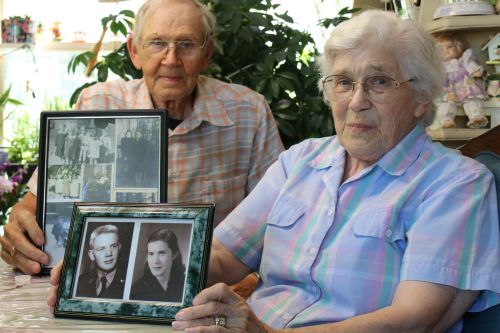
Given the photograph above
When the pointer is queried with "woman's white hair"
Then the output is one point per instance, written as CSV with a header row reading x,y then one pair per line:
x,y
207,17
414,48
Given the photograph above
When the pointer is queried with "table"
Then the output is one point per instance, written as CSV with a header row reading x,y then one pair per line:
x,y
24,309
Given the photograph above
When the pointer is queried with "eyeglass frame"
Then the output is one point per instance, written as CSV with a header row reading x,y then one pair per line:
x,y
168,44
364,84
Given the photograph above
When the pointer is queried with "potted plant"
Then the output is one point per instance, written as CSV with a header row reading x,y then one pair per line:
x,y
23,149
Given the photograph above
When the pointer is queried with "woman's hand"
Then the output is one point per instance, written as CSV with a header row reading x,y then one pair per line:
x,y
218,309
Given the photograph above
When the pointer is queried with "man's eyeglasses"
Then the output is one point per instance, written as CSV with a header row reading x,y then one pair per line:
x,y
377,87
184,48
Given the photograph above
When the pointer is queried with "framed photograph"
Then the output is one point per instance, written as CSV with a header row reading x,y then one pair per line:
x,y
97,156
140,262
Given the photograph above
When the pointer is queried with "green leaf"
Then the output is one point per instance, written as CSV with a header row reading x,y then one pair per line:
x,y
102,73
256,19
259,87
128,13
285,83
76,93
285,17
285,127
274,88
281,105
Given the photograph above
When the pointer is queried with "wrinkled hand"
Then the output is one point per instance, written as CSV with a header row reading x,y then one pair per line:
x,y
219,301
55,277
19,234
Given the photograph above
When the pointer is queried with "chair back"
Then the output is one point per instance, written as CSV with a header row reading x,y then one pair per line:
x,y
485,149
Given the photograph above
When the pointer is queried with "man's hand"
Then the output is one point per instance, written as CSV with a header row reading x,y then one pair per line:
x,y
20,233
55,277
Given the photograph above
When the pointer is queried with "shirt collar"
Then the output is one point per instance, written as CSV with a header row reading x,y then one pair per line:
x,y
109,276
207,107
394,162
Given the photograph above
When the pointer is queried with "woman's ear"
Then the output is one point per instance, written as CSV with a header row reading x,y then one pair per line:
x,y
423,104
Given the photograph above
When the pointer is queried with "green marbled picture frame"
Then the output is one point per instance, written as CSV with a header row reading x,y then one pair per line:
x,y
136,224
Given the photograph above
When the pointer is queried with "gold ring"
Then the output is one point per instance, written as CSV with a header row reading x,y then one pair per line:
x,y
220,321
12,251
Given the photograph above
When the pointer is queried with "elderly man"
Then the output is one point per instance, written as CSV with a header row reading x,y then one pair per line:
x,y
104,279
223,136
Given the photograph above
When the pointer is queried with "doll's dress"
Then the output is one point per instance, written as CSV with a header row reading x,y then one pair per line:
x,y
460,86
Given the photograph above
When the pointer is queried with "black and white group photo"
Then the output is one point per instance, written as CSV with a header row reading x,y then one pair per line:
x,y
95,159
137,149
82,141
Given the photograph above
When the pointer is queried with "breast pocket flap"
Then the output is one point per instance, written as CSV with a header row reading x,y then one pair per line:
x,y
286,211
379,223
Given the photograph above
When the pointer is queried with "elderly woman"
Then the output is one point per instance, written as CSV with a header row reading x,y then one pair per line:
x,y
377,229
163,276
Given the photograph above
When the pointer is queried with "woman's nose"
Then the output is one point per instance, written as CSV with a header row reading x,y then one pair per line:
x,y
360,99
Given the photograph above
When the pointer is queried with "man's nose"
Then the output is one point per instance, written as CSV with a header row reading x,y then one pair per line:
x,y
170,56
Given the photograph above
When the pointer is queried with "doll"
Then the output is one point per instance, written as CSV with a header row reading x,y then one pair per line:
x,y
460,87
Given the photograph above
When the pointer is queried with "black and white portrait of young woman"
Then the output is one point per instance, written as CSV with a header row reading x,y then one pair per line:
x,y
160,265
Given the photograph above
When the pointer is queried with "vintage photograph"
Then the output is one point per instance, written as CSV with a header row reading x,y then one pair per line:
x,y
103,261
136,145
134,261
64,183
160,265
58,218
92,156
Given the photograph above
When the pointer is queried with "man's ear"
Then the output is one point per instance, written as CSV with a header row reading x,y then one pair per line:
x,y
91,255
208,54
133,52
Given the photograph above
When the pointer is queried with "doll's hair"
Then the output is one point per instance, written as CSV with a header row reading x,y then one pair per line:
x,y
413,47
449,37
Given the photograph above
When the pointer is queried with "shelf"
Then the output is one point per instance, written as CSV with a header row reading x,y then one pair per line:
x,y
62,46
455,134
474,22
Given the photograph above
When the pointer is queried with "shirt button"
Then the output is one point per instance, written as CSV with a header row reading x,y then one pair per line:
x,y
388,233
330,212
286,316
313,251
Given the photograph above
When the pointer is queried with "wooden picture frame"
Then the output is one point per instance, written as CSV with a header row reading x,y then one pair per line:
x,y
133,235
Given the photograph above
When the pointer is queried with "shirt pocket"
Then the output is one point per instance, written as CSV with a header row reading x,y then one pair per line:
x,y
286,212
378,223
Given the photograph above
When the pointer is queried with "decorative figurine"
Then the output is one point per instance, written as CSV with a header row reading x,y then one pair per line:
x,y
461,86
